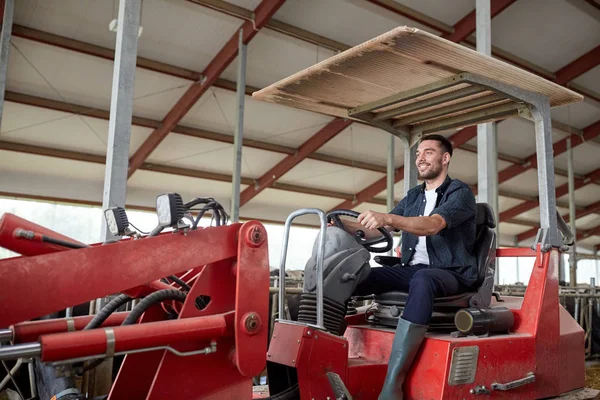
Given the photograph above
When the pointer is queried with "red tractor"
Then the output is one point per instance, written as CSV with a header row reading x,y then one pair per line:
x,y
201,327
209,341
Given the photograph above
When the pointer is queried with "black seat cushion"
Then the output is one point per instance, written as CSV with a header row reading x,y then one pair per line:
x,y
400,298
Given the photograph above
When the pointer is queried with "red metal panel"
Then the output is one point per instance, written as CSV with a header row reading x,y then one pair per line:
x,y
201,376
458,139
251,310
578,67
313,353
545,340
328,353
539,316
264,11
139,368
466,26
99,271
287,342
231,285
65,346
515,252
10,222
317,140
365,379
572,357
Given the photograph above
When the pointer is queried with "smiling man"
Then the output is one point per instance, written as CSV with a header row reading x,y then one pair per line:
x,y
437,220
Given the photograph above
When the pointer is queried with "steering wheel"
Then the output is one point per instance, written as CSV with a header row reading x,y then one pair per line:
x,y
369,244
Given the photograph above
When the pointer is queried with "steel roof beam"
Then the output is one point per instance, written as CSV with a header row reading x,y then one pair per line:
x,y
324,135
185,130
559,147
560,191
167,69
578,67
592,208
264,11
168,169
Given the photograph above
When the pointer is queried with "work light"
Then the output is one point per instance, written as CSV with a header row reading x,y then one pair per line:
x,y
116,221
169,208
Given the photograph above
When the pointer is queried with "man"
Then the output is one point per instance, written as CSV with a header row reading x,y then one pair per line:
x,y
437,220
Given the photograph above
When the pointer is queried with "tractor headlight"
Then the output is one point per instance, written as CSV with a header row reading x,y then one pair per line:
x,y
116,220
169,208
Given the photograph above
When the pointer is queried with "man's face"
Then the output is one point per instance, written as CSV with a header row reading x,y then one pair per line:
x,y
431,159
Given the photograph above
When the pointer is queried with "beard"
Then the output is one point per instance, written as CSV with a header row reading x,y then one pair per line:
x,y
432,172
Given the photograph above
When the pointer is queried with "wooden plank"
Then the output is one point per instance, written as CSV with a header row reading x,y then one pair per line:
x,y
379,68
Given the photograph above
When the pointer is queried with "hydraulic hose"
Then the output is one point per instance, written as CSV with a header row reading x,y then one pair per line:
x,y
150,300
138,310
107,310
180,282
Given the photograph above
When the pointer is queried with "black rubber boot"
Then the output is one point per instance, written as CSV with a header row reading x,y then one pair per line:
x,y
407,340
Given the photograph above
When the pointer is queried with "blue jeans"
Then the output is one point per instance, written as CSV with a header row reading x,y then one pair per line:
x,y
423,285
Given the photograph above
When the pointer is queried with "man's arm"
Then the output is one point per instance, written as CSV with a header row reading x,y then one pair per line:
x,y
420,226
353,226
459,207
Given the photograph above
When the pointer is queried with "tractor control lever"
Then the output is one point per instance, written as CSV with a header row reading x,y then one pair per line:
x,y
339,389
530,378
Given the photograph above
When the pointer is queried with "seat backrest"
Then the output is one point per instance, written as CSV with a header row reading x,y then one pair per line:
x,y
485,253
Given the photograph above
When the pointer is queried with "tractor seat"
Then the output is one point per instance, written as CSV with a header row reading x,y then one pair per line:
x,y
480,296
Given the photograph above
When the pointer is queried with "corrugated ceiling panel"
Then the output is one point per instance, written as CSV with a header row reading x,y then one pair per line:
x,y
55,129
277,205
588,222
546,37
579,115
505,203
590,80
349,22
329,176
585,158
65,75
512,229
534,214
283,125
449,13
155,183
516,137
207,155
195,33
273,56
526,183
365,143
12,162
589,243
585,196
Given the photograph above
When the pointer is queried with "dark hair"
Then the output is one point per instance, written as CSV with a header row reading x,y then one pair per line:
x,y
444,143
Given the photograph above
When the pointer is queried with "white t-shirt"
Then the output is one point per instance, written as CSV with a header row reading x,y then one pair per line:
x,y
420,256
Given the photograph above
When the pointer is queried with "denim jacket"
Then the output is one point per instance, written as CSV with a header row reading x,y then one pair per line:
x,y
453,247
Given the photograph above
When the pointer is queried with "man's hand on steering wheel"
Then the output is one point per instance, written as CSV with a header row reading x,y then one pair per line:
x,y
373,220
368,238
